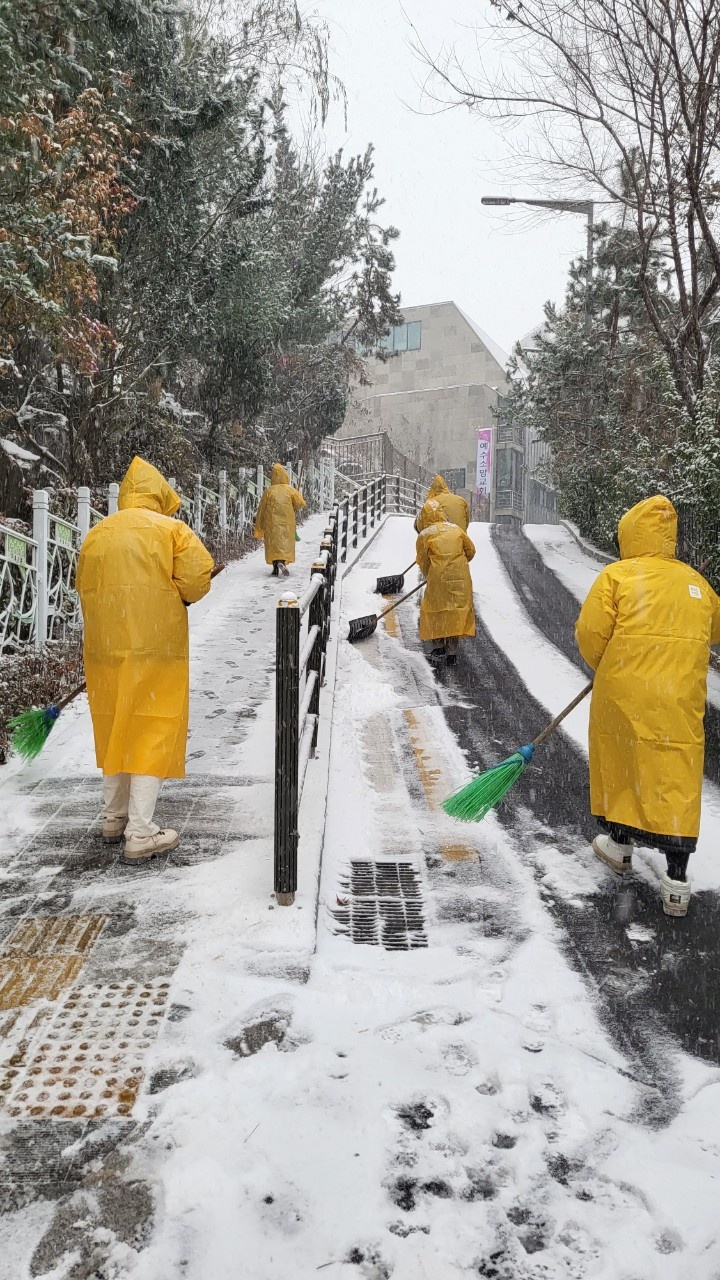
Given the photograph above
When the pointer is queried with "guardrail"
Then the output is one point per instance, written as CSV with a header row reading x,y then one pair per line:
x,y
38,601
302,635
299,675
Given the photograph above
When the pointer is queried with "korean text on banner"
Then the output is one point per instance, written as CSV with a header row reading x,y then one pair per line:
x,y
484,462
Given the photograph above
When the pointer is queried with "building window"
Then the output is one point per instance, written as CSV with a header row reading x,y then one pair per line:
x,y
404,337
454,479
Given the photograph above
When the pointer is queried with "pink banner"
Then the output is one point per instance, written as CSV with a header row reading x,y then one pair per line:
x,y
483,470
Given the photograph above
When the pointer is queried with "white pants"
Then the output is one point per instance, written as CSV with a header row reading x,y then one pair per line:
x,y
132,796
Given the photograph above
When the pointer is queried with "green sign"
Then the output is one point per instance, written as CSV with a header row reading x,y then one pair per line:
x,y
15,549
63,533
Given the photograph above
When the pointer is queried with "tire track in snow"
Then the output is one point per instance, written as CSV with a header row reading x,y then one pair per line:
x,y
651,977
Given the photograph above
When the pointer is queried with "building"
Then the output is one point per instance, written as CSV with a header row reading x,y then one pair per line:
x,y
540,504
439,389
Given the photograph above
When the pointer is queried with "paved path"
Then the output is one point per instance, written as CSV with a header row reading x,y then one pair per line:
x,y
489,1066
91,950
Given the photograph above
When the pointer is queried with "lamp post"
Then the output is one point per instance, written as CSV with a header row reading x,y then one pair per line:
x,y
586,207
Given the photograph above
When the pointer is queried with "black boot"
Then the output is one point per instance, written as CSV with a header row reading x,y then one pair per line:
x,y
275,569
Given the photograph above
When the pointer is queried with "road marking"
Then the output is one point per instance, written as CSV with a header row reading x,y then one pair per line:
x,y
434,782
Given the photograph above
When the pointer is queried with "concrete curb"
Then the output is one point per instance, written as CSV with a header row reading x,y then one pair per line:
x,y
586,546
311,845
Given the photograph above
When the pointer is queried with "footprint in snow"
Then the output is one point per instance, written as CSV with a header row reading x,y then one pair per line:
x,y
458,1059
369,1260
547,1100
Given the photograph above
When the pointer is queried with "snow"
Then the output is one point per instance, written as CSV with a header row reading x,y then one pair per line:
x,y
577,570
16,451
456,1110
496,351
554,681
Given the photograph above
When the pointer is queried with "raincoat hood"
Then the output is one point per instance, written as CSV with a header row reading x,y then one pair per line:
x,y
145,487
279,475
432,513
649,529
438,486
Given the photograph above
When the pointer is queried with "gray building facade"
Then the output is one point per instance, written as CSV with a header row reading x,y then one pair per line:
x,y
439,387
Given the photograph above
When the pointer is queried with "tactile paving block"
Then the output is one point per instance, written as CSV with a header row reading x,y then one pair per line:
x,y
53,935
88,1057
43,955
27,978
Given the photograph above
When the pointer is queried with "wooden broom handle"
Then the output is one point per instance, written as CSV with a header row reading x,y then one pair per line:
x,y
402,599
559,719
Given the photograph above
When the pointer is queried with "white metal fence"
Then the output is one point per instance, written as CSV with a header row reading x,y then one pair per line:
x,y
38,601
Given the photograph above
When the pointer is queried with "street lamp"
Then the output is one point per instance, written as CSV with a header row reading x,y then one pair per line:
x,y
585,207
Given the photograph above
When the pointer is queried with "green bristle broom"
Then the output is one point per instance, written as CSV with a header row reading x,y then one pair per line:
x,y
472,802
31,729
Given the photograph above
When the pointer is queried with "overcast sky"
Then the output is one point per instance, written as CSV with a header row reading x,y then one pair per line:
x,y
433,169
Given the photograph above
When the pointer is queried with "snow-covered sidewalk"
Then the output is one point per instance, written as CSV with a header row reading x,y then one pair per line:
x,y
430,1094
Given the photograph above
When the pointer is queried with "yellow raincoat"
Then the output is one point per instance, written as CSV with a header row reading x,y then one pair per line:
x,y
275,519
443,551
456,508
645,629
134,572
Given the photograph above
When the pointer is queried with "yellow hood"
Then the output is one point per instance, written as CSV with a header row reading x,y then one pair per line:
x,y
279,475
438,486
432,513
649,529
144,486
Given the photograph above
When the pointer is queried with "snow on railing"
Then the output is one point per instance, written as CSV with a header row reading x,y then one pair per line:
x,y
18,591
38,600
302,634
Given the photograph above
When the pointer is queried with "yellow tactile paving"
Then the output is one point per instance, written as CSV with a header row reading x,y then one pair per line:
x,y
43,955
53,935
27,978
87,1059
434,783
392,626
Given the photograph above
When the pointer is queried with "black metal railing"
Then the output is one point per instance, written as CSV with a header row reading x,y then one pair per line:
x,y
360,457
302,636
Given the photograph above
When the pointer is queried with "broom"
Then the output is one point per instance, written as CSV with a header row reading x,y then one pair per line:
x,y
473,801
394,582
31,729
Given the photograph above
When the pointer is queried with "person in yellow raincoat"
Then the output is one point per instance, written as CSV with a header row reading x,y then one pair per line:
x,y
645,629
443,551
137,571
456,508
275,520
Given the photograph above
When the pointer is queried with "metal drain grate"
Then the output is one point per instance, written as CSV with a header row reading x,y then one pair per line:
x,y
385,907
88,1058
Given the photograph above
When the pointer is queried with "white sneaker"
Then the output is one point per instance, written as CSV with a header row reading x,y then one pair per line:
x,y
616,856
142,848
113,830
675,896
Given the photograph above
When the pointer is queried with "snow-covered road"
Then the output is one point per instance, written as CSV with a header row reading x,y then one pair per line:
x,y
445,1087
